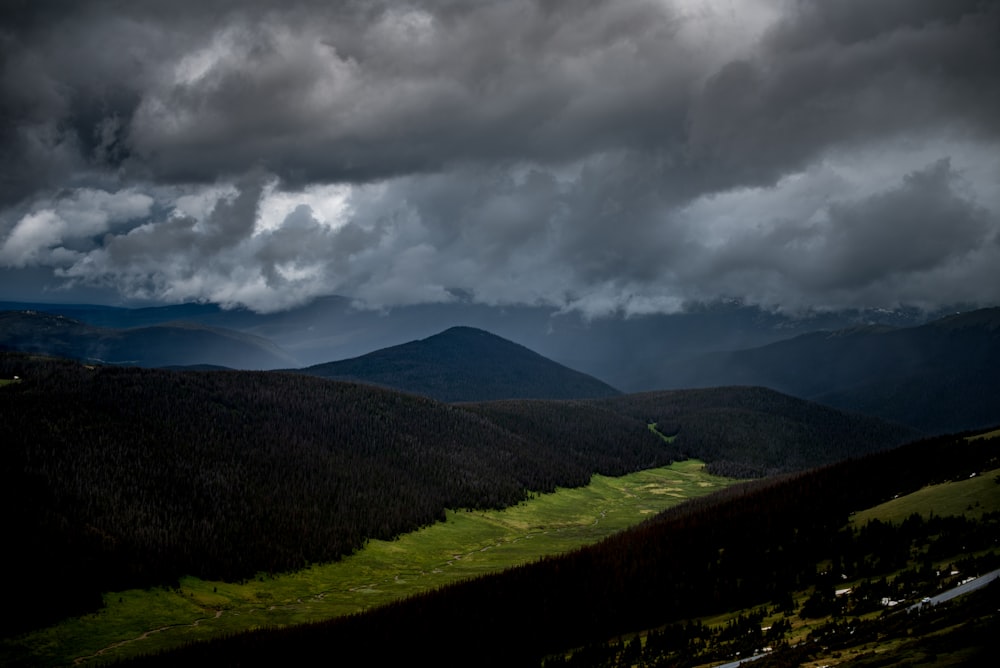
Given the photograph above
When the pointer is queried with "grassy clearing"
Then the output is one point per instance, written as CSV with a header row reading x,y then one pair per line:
x,y
467,544
653,428
970,498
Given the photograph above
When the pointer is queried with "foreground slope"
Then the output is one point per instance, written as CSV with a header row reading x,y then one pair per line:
x,y
166,344
751,545
938,377
466,364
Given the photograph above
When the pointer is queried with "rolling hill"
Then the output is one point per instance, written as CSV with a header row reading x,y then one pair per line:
x,y
466,364
938,377
167,344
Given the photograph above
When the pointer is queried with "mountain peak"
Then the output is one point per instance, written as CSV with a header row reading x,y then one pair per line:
x,y
467,364
466,332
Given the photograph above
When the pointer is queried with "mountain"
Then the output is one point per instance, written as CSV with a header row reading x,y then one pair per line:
x,y
466,364
630,352
937,377
169,344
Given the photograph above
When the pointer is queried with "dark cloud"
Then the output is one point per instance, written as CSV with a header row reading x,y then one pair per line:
x,y
907,235
602,156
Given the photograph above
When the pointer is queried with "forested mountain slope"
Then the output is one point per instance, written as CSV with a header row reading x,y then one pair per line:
x,y
466,364
739,431
144,475
749,545
938,377
150,346
758,428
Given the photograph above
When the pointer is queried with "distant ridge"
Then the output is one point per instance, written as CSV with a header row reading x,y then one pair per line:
x,y
164,345
938,377
466,364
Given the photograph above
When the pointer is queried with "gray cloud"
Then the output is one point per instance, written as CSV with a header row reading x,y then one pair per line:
x,y
918,230
602,156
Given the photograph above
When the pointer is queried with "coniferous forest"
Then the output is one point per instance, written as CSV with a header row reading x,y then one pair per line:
x,y
744,547
147,475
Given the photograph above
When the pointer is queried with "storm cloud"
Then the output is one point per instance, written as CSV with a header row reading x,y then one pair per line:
x,y
606,157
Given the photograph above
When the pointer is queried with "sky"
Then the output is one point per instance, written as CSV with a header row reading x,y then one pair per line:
x,y
622,157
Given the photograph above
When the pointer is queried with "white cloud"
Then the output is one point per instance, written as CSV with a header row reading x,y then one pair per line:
x,y
59,221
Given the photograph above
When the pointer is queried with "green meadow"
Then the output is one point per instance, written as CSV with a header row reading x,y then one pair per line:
x,y
971,498
469,543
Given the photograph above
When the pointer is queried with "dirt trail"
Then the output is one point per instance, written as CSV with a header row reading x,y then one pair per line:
x,y
80,659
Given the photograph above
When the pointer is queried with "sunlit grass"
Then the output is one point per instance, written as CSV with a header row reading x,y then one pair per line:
x,y
467,544
971,498
656,430
990,434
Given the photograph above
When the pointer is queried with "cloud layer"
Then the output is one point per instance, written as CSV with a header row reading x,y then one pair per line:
x,y
598,156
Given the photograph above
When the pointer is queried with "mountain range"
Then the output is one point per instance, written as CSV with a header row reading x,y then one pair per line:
x,y
157,345
937,377
630,352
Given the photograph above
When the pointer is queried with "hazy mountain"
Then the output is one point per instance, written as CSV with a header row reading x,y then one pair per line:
x,y
937,377
466,364
633,353
169,344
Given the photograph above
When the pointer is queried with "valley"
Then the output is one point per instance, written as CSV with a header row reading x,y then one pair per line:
x,y
463,481
500,334
743,558
466,544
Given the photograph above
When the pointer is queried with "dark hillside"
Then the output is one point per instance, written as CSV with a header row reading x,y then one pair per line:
x,y
466,364
938,377
145,475
763,430
738,431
